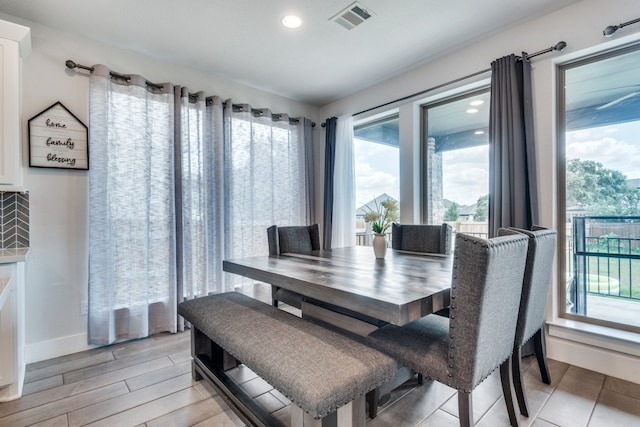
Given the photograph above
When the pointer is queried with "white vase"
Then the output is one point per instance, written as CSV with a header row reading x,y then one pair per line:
x,y
379,245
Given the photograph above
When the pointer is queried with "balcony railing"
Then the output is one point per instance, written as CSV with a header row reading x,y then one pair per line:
x,y
605,259
364,238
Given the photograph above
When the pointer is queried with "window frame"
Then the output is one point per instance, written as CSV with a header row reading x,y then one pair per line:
x,y
561,161
424,127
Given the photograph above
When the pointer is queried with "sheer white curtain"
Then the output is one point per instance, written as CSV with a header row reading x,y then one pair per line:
x,y
265,177
178,182
132,256
200,194
344,206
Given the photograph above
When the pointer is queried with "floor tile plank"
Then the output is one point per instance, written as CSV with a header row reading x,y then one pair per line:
x,y
622,387
192,414
159,375
152,410
148,383
63,406
132,364
41,385
573,400
59,421
614,409
65,364
128,401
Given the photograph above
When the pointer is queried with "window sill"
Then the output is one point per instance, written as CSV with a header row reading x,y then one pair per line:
x,y
596,335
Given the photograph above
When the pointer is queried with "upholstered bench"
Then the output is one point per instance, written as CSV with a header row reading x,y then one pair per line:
x,y
325,374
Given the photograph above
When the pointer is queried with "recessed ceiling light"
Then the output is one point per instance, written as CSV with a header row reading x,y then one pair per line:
x,y
476,102
292,21
472,110
479,132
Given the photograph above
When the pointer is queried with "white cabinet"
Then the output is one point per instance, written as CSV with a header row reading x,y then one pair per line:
x,y
15,43
7,297
12,328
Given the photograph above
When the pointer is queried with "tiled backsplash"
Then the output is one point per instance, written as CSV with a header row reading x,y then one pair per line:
x,y
14,220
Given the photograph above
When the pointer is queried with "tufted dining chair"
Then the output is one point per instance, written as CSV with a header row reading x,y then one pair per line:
x,y
303,238
419,238
462,350
533,304
428,238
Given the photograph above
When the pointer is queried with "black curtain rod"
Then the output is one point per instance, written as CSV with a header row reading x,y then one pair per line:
x,y
558,46
72,65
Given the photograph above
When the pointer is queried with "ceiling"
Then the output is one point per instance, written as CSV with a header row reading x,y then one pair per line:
x,y
244,41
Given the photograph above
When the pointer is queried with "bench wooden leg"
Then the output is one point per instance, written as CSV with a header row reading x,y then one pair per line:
x,y
372,398
350,415
201,345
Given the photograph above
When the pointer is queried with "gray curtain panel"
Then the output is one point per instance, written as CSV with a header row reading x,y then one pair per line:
x,y
329,163
512,177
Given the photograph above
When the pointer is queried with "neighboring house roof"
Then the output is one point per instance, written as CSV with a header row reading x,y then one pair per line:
x,y
463,210
467,210
635,183
371,205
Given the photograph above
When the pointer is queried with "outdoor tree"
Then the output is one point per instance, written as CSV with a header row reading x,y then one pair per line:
x,y
482,208
453,212
598,190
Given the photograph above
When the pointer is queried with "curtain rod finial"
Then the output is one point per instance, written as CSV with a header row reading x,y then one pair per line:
x,y
560,46
70,64
608,32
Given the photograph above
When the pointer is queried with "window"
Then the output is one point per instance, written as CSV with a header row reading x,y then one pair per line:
x,y
599,188
456,162
377,169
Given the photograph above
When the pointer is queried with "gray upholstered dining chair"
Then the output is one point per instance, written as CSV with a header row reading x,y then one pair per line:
x,y
303,238
421,238
533,304
462,350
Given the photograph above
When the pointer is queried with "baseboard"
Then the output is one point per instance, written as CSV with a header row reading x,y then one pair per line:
x,y
598,359
50,349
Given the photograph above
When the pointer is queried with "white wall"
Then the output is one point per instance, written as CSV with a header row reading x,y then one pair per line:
x,y
580,25
57,269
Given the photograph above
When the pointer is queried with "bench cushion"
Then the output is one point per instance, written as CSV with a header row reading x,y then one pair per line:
x,y
316,368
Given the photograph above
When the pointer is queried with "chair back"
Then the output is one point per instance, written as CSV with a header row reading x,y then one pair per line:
x,y
537,280
421,238
299,238
484,305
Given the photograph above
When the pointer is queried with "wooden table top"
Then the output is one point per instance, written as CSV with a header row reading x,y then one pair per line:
x,y
398,289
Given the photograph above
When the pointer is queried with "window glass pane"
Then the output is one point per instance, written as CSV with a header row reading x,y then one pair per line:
x,y
457,163
377,169
602,188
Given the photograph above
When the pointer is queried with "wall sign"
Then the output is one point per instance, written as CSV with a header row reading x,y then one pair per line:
x,y
58,139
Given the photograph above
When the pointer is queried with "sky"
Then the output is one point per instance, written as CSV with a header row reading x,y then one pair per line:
x,y
617,147
466,171
377,169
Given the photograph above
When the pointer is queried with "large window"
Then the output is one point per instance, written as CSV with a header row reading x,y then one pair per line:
x,y
599,179
377,169
456,162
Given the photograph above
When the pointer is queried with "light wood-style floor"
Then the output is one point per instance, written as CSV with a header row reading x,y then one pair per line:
x,y
148,382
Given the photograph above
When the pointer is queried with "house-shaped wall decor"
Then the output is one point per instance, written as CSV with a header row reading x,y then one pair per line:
x,y
58,139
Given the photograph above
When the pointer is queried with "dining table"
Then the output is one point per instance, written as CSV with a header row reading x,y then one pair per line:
x,y
352,289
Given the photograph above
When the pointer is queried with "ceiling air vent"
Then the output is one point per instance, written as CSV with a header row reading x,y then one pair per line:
x,y
352,16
